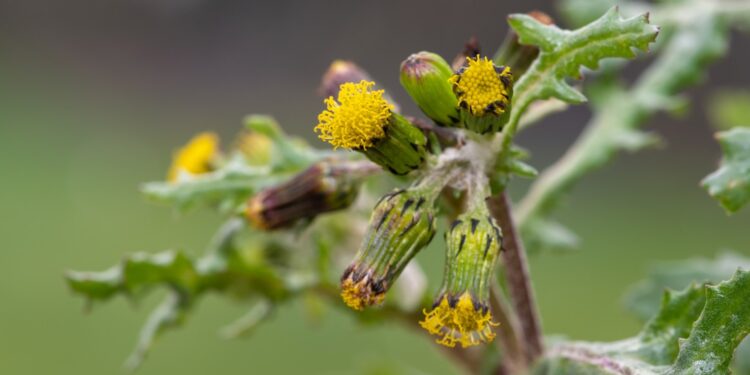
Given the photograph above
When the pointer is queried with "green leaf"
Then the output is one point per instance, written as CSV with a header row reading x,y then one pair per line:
x,y
136,273
643,298
237,263
695,332
620,112
170,314
227,187
724,323
730,184
563,53
728,109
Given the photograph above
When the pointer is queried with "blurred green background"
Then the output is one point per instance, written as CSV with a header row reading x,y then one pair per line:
x,y
94,96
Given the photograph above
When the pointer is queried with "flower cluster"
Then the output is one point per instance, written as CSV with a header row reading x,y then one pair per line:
x,y
470,101
477,98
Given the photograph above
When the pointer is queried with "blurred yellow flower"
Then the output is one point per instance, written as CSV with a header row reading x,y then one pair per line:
x,y
195,157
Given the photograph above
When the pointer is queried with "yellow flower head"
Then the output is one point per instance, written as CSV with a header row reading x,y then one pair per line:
x,y
360,294
459,322
196,156
357,120
481,87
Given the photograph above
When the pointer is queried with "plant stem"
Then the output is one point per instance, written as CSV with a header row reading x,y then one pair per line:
x,y
517,274
513,358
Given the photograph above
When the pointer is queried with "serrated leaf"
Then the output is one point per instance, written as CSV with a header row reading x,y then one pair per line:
x,y
724,323
695,333
620,112
563,53
236,263
135,273
730,184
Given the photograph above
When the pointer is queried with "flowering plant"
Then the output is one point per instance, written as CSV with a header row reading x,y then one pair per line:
x,y
296,216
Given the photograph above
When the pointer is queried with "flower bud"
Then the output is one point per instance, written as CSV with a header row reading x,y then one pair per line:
x,y
325,186
198,156
362,120
424,76
484,94
402,223
461,311
340,72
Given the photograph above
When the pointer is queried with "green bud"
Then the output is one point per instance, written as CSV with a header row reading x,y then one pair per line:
x,y
402,149
402,223
425,76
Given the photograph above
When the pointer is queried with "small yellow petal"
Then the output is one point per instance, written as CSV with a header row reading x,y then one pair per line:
x,y
359,294
481,87
357,119
196,156
462,323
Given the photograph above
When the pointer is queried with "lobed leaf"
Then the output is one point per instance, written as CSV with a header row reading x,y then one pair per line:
x,y
619,113
695,332
730,184
724,323
563,53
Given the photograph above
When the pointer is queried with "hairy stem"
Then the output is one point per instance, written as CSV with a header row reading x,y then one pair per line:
x,y
510,346
517,274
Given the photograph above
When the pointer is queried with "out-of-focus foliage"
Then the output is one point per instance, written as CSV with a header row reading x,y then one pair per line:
x,y
643,298
728,109
685,50
230,185
730,184
695,332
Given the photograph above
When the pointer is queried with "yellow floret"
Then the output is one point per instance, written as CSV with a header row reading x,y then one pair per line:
x,y
481,88
462,323
196,156
358,295
357,119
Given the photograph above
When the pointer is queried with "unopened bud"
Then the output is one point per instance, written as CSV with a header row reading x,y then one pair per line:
x,y
402,223
325,186
424,76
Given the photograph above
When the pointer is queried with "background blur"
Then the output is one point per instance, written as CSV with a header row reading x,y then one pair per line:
x,y
95,95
